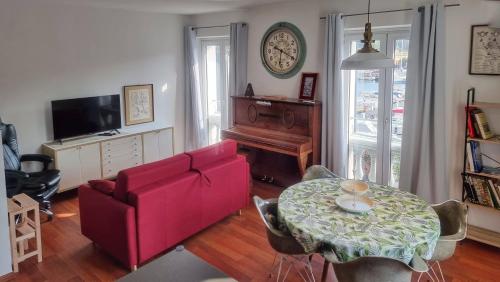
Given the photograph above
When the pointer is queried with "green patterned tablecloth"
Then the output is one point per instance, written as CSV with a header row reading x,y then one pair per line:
x,y
399,225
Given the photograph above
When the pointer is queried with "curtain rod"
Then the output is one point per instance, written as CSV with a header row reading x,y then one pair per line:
x,y
387,11
213,26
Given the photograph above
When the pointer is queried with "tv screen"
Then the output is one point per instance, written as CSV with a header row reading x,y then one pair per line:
x,y
81,116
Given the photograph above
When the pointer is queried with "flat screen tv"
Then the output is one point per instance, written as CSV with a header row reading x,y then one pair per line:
x,y
82,116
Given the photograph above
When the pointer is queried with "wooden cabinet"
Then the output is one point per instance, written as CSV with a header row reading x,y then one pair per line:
x,y
101,157
78,164
157,145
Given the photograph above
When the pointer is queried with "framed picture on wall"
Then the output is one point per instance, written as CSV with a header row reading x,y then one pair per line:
x,y
139,104
308,86
484,50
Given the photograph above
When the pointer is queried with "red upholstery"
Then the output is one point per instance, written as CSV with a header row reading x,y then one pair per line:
x,y
167,213
158,205
136,177
109,223
105,186
211,154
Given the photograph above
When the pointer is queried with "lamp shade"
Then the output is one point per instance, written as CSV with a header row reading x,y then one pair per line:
x,y
367,61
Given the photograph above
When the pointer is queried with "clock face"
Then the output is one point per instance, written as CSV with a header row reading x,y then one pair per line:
x,y
283,50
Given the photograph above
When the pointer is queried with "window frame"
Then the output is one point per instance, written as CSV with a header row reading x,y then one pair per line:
x,y
383,141
222,76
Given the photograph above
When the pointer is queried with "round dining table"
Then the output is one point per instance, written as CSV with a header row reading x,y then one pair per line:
x,y
399,225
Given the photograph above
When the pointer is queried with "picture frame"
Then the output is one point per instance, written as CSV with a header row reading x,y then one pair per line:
x,y
138,103
484,57
308,85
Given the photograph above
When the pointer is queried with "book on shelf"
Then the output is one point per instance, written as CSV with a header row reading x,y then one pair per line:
x,y
482,124
474,162
470,127
483,191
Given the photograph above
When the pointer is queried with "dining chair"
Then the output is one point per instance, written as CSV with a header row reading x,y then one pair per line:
x,y
287,248
453,220
317,172
371,268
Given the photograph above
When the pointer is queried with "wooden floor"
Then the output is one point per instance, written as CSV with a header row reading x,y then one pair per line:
x,y
236,245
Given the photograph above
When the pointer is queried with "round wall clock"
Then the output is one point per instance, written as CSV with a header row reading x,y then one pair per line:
x,y
283,50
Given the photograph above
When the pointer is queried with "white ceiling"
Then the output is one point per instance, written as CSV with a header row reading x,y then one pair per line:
x,y
185,7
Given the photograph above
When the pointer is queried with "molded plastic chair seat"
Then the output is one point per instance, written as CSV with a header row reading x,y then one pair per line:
x,y
281,241
368,269
317,172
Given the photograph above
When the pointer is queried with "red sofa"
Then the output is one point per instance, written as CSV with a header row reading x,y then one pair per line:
x,y
155,206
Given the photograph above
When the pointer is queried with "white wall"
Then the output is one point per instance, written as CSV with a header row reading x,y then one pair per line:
x,y
5,257
306,17
58,51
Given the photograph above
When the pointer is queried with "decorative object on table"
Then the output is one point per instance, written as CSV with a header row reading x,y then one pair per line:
x,y
249,91
139,104
287,248
308,210
354,203
24,225
484,50
453,219
179,265
366,165
354,186
308,86
39,185
283,50
367,57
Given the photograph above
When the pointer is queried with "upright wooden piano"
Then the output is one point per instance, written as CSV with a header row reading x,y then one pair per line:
x,y
278,124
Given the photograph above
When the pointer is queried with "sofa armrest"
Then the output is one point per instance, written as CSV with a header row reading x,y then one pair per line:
x,y
109,223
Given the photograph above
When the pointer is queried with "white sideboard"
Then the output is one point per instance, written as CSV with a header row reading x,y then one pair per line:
x,y
102,157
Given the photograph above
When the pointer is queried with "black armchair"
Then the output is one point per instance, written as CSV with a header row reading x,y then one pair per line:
x,y
41,185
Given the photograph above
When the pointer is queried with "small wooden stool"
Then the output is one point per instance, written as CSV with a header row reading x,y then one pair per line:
x,y
27,227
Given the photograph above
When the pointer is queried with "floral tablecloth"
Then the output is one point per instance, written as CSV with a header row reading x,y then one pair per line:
x,y
399,225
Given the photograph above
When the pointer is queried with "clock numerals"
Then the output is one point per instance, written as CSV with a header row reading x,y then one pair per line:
x,y
281,51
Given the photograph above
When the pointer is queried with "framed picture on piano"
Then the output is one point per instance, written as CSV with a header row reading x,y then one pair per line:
x,y
308,86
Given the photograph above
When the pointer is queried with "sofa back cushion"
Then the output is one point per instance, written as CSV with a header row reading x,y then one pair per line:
x,y
133,178
212,154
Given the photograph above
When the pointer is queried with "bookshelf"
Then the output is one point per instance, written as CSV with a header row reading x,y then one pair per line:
x,y
477,233
495,140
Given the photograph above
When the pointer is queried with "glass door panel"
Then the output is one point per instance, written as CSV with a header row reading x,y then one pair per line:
x,y
364,111
399,46
214,78
376,110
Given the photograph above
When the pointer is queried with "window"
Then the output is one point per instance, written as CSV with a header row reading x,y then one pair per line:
x,y
376,109
214,84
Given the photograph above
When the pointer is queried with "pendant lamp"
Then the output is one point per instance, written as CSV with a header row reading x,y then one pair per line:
x,y
367,57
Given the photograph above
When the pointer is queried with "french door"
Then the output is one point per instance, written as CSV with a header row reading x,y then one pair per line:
x,y
376,109
214,68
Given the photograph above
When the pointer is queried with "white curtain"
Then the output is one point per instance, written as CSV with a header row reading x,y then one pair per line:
x,y
334,123
196,132
424,146
237,67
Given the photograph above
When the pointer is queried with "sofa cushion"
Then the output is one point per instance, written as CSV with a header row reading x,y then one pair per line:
x,y
104,186
136,177
212,154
